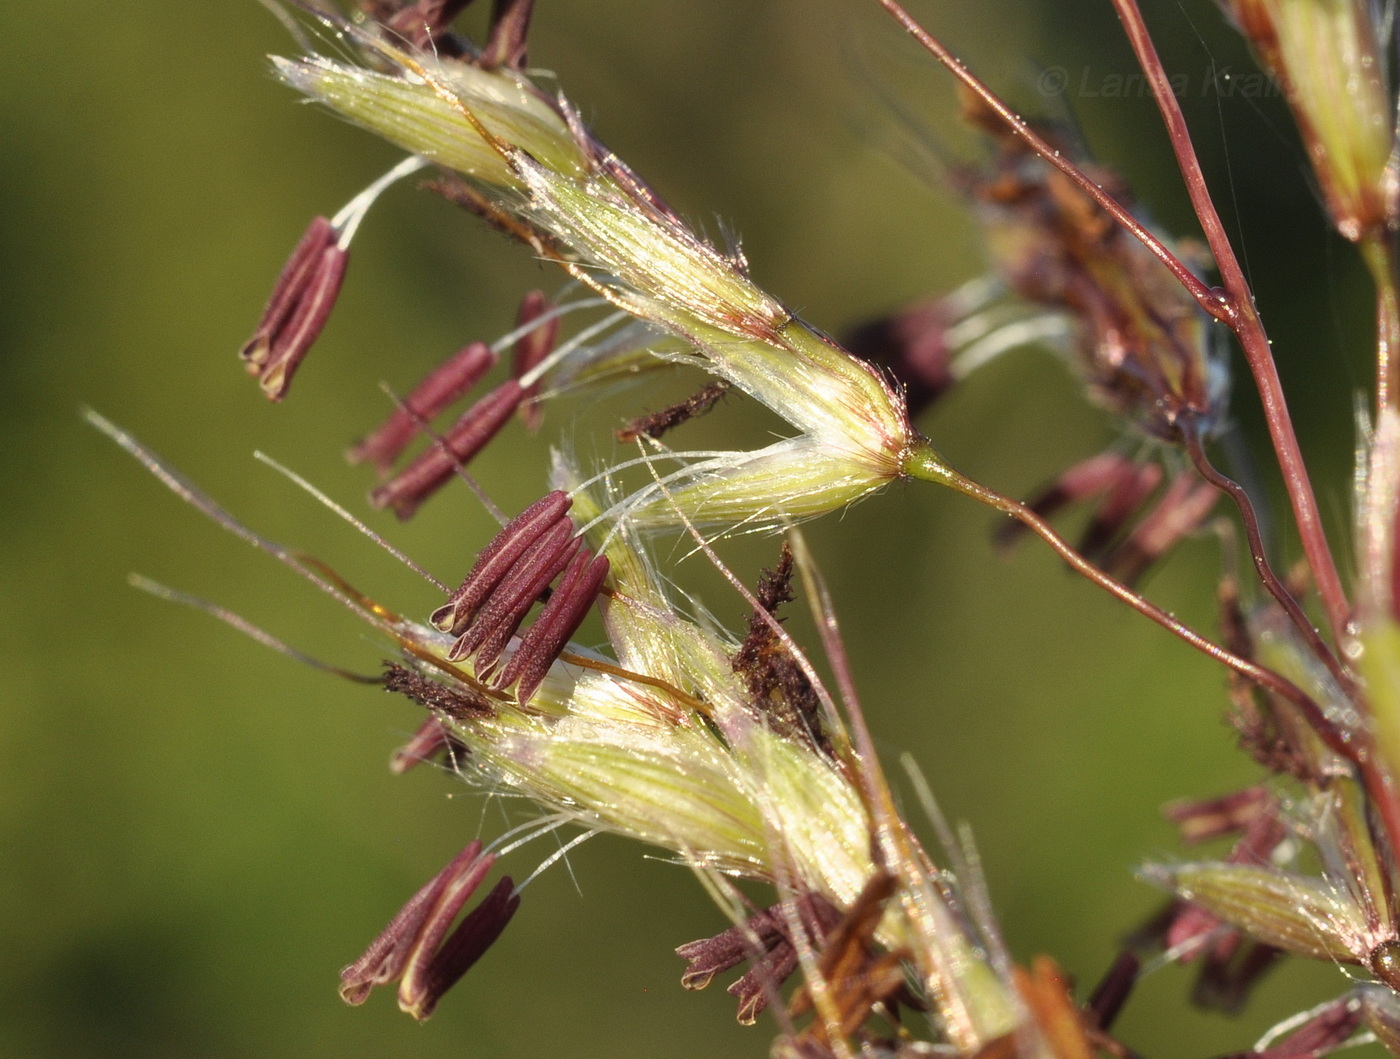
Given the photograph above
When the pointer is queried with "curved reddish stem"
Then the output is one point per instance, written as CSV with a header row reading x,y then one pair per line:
x,y
1248,327
1349,745
1273,584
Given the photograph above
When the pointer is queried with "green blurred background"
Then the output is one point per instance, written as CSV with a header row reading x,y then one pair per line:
x,y
196,834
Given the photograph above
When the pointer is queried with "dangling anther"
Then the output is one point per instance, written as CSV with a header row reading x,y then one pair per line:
x,y
445,384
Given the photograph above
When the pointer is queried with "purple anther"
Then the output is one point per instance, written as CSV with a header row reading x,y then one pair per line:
x,y
1113,990
762,981
506,39
287,291
1233,966
1182,509
729,948
506,597
388,954
431,739
530,349
501,617
1324,1032
913,344
421,24
468,436
572,599
444,385
300,306
1122,501
412,948
766,941
1199,820
497,558
422,987
1085,479
293,342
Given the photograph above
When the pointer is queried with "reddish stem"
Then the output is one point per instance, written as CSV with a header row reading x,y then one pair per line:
x,y
1233,306
1195,448
1379,254
1209,298
1244,320
1354,746
1349,745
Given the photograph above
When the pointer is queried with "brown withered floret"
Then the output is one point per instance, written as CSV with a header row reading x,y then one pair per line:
x,y
765,941
458,703
861,979
1143,343
1267,726
780,689
655,424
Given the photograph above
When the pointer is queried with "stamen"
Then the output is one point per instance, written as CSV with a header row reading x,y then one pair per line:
x,y
1045,327
1199,820
442,386
314,302
412,944
489,635
559,854
1312,1033
430,740
347,221
1122,501
497,558
1232,968
711,956
1181,510
511,337
425,24
307,288
430,975
913,344
1086,479
505,42
765,938
1231,964
509,596
290,285
559,620
388,953
1113,990
531,348
468,436
553,359
763,980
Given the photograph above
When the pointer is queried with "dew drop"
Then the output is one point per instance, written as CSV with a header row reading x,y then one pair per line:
x,y
1384,963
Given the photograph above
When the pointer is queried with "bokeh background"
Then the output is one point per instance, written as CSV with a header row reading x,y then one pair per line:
x,y
196,834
